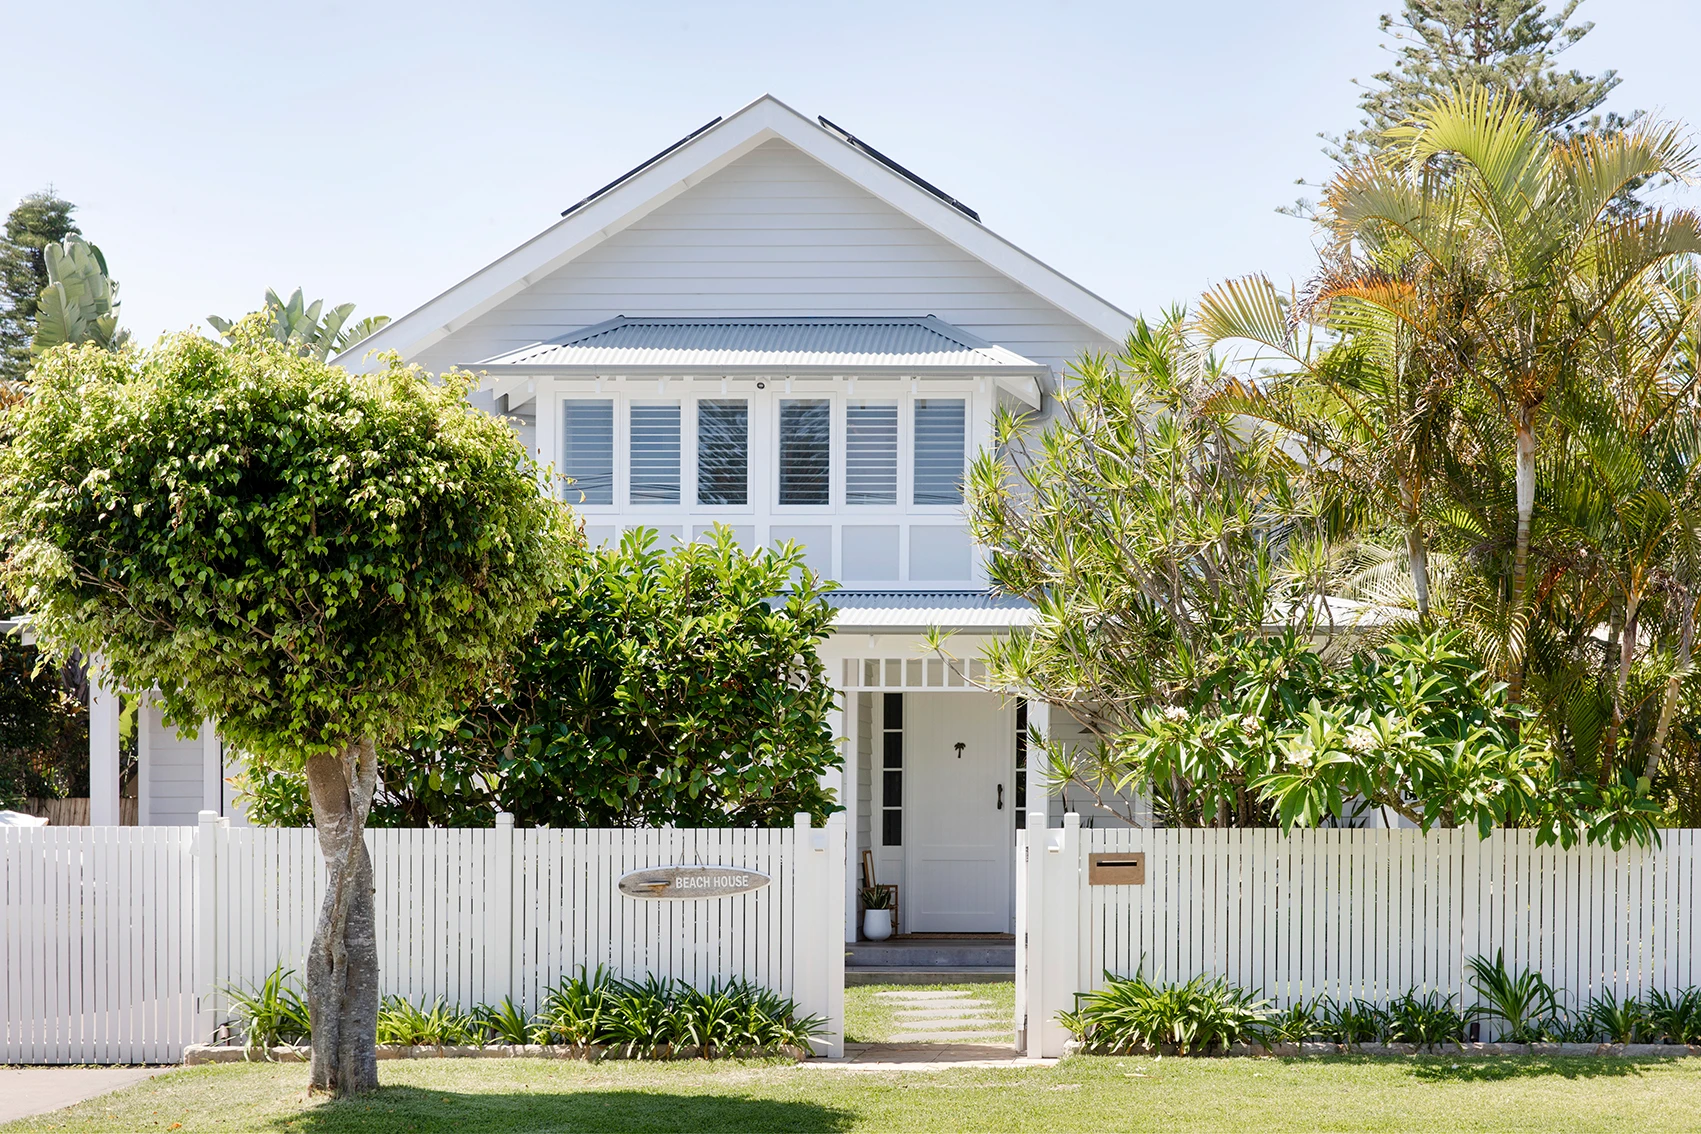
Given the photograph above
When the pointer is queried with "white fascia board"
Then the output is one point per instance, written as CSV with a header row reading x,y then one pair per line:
x,y
761,121
1023,382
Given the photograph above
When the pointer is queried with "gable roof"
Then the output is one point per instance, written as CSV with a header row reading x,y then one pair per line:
x,y
712,148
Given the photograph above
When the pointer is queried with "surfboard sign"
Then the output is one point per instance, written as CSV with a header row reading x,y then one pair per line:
x,y
678,883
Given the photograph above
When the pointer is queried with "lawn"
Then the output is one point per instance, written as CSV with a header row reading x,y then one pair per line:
x,y
872,1019
1337,1093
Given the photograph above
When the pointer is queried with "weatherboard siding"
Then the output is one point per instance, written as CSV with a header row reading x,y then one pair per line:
x,y
777,234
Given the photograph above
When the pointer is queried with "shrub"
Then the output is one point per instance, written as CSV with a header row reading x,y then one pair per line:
x,y
1427,1020
1135,1014
432,1024
1297,1023
272,1014
1526,1005
1673,1018
1352,1021
1618,1020
640,1018
508,1023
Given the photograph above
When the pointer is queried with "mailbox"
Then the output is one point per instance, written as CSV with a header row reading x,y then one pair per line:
x,y
1116,869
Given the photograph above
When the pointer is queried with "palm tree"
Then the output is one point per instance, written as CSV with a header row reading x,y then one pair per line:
x,y
1514,238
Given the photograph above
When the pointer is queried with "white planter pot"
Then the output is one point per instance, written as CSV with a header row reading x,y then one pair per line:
x,y
877,924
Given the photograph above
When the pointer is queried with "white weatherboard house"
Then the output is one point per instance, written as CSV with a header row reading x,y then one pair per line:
x,y
773,326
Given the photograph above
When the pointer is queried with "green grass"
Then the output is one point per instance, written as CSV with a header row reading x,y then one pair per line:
x,y
869,1019
1087,1094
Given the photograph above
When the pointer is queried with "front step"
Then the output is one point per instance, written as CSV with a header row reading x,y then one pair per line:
x,y
977,959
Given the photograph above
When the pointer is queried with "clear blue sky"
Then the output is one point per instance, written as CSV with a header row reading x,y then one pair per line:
x,y
379,153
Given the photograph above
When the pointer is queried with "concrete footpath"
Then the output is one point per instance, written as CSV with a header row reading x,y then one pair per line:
x,y
36,1090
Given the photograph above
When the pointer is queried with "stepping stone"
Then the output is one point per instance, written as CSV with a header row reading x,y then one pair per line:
x,y
934,995
955,1037
936,1013
954,1025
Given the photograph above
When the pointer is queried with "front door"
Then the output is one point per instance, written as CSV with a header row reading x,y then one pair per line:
x,y
960,763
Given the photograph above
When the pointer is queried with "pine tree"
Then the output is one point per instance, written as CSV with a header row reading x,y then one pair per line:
x,y
1501,45
39,220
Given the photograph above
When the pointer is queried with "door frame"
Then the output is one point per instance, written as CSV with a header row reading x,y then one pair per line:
x,y
910,891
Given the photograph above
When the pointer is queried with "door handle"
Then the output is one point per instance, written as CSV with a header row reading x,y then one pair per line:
x,y
1001,797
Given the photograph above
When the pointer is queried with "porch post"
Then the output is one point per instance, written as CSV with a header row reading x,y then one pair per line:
x,y
1039,722
212,770
103,747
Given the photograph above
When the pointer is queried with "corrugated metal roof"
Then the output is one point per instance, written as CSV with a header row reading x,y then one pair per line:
x,y
907,344
916,610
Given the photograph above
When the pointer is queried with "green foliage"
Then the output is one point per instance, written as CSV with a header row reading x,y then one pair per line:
x,y
1510,46
304,555
44,729
1351,1022
640,1019
272,1014
1426,1019
1526,1005
1673,1017
1300,1021
657,688
80,302
508,1023
306,328
428,1024
38,220
1615,1020
877,897
1136,1014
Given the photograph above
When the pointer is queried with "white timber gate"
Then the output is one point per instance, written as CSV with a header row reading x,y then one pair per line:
x,y
1347,914
119,942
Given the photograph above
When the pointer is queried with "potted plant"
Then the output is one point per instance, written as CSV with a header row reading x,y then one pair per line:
x,y
877,912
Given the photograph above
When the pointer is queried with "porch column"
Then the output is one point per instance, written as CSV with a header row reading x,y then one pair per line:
x,y
849,797
1039,802
103,747
212,769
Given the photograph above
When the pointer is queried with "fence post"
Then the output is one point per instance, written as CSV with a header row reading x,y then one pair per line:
x,y
808,894
206,925
499,912
833,949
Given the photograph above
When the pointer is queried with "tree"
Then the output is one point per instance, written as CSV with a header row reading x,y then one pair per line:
x,y
1514,235
40,219
678,688
1505,47
320,562
1153,530
80,302
299,325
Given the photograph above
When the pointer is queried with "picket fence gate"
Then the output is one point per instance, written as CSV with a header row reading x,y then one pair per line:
x,y
119,942
1349,913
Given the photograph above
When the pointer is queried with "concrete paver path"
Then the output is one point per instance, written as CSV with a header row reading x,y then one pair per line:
x,y
36,1090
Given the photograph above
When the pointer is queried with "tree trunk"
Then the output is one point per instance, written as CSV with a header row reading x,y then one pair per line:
x,y
1526,495
1620,687
1674,684
1417,556
342,967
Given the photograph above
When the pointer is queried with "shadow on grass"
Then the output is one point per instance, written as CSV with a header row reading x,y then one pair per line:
x,y
1498,1069
394,1110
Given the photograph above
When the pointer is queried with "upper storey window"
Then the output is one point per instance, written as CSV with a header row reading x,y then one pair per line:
x,y
587,450
871,453
723,451
806,451
654,453
940,441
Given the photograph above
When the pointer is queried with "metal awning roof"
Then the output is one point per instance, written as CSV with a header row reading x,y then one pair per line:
x,y
868,612
898,346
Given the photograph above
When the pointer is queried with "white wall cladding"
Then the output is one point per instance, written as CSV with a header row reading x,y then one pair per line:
x,y
173,773
775,233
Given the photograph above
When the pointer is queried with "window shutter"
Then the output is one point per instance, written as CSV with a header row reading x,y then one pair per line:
x,y
939,450
587,450
723,452
805,451
655,454
871,453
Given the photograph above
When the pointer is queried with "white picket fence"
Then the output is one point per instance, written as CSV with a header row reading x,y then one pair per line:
x,y
119,942
1352,913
